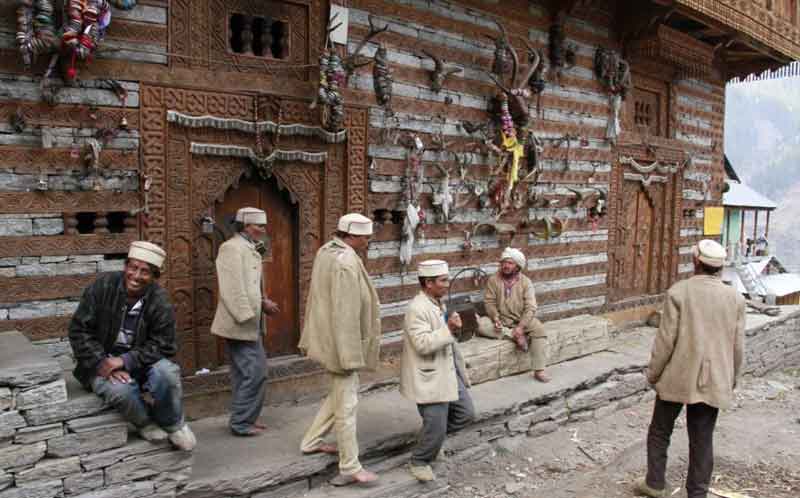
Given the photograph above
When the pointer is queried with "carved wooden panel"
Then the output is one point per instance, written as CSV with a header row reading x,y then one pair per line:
x,y
21,289
67,202
36,159
185,186
64,245
644,228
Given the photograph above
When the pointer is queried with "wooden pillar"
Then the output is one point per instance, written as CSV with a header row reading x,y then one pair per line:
x,y
766,229
728,227
755,224
741,229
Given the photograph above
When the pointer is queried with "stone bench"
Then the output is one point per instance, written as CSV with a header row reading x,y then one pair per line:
x,y
58,439
490,359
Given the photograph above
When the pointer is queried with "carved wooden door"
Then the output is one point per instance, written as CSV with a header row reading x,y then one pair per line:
x,y
642,239
280,268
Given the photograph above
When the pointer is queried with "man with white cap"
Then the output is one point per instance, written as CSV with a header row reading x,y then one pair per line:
x,y
123,337
511,311
342,332
432,371
239,320
696,361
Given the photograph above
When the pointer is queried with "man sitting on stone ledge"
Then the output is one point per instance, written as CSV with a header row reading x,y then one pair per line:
x,y
510,303
122,336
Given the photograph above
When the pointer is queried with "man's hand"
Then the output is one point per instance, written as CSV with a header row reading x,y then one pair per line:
x,y
498,325
270,307
108,365
454,322
517,331
119,377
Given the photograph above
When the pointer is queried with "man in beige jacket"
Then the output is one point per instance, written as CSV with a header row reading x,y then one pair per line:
x,y
239,318
342,332
696,360
432,372
511,311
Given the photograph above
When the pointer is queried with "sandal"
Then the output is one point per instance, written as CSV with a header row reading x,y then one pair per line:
x,y
368,479
330,449
251,432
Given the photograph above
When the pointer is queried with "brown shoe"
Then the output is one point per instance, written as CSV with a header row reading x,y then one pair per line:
x,y
541,376
641,488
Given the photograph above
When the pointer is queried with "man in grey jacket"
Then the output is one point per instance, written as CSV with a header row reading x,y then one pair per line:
x,y
696,361
239,319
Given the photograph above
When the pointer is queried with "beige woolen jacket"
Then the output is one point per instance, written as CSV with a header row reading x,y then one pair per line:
x,y
698,351
342,328
430,354
519,308
239,276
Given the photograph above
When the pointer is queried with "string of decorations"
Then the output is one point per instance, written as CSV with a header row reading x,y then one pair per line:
x,y
245,126
264,162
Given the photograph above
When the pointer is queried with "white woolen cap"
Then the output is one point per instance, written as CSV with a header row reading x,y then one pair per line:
x,y
710,253
355,224
516,256
147,252
432,268
251,216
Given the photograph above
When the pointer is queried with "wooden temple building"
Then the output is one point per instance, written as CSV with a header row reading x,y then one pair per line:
x,y
587,133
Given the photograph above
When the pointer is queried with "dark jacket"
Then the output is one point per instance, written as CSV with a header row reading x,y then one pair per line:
x,y
95,325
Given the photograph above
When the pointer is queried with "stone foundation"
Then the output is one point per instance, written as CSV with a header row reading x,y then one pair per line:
x,y
58,440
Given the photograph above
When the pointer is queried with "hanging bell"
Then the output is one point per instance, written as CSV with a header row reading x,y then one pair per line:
x,y
207,225
123,123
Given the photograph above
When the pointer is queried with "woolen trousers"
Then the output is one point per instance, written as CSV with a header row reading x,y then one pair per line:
x,y
438,420
248,382
338,412
700,422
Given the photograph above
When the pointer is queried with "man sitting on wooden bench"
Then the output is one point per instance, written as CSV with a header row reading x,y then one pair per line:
x,y
510,303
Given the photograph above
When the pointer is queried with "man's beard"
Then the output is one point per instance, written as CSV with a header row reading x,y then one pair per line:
x,y
510,275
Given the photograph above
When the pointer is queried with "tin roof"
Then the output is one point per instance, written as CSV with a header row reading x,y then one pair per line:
x,y
740,195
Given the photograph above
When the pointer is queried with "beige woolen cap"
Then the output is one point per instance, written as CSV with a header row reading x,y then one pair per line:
x,y
514,255
355,224
432,268
147,252
710,252
251,216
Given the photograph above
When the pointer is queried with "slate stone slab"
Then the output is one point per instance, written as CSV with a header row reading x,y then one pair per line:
x,y
6,480
10,422
44,394
47,489
49,469
110,457
87,442
6,399
132,490
82,406
102,421
22,365
83,482
148,465
28,435
19,455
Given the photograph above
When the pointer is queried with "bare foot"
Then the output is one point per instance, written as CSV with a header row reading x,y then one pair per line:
x,y
330,449
541,376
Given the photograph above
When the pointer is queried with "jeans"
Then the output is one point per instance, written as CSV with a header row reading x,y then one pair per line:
x,y
700,422
248,382
161,381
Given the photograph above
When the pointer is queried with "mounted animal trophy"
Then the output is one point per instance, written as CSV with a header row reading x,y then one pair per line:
x,y
353,61
441,71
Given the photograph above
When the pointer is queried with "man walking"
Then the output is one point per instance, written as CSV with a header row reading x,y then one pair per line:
x,y
123,338
696,360
510,303
342,332
432,372
239,318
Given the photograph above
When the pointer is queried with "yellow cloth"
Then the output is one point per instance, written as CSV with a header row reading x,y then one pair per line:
x,y
712,220
517,150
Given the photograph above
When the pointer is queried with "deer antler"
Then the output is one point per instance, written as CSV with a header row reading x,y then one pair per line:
x,y
537,59
514,58
351,63
440,72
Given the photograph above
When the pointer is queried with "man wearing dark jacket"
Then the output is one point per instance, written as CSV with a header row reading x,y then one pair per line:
x,y
123,336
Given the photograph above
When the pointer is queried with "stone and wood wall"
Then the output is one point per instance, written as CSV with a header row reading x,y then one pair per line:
x,y
62,223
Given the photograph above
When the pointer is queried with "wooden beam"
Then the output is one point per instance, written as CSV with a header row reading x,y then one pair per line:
x,y
37,329
21,289
67,202
65,245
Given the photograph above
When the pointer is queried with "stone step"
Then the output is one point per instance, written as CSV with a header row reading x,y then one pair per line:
x,y
22,365
396,483
271,465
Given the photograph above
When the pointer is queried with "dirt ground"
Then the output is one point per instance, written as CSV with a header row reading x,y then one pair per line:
x,y
757,446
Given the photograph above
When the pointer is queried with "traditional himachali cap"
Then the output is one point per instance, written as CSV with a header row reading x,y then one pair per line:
x,y
710,253
514,255
355,224
147,252
432,268
251,216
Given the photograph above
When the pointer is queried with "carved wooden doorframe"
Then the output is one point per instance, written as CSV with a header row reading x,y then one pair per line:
x,y
183,186
660,184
